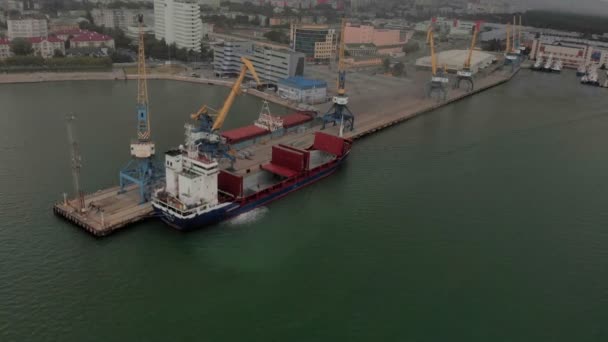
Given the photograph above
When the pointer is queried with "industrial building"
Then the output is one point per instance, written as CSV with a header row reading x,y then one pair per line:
x,y
454,60
317,42
179,22
571,52
303,90
387,41
227,57
271,65
276,64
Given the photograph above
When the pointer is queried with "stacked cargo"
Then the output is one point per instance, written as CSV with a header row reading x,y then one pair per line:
x,y
230,184
287,161
331,144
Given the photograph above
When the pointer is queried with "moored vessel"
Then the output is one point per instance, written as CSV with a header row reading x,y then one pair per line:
x,y
197,193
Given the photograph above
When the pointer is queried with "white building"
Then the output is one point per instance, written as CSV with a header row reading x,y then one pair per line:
x,y
453,60
179,22
270,64
572,52
210,3
114,18
27,27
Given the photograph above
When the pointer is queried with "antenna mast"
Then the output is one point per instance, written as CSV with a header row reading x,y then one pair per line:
x,y
76,163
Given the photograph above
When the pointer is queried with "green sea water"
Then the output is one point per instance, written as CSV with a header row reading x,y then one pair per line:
x,y
485,220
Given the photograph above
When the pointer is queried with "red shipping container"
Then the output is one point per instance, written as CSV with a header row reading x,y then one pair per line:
x,y
230,183
290,159
304,152
329,143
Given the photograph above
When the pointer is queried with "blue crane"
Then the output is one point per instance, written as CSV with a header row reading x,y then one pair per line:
x,y
339,111
141,169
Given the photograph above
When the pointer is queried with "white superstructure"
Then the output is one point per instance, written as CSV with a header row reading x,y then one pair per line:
x,y
179,22
191,179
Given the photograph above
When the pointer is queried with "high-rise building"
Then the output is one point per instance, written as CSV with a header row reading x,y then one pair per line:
x,y
27,27
179,22
317,42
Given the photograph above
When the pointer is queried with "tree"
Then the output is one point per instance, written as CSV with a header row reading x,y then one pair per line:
x,y
57,53
411,46
277,36
398,69
386,64
21,47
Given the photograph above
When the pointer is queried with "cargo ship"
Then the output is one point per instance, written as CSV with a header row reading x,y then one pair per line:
x,y
197,193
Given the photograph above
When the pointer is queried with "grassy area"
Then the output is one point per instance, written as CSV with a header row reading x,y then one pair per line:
x,y
161,69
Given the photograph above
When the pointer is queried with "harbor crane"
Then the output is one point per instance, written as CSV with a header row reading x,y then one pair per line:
x,y
206,135
439,77
513,50
141,169
339,111
466,74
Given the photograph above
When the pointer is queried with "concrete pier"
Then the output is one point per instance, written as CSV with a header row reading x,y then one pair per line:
x,y
105,211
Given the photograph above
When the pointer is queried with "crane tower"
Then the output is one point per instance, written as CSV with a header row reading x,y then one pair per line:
x,y
141,169
439,77
339,112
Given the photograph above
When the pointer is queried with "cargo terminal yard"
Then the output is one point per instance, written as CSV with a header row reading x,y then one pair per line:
x,y
109,210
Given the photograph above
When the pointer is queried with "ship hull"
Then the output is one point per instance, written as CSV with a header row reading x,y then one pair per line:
x,y
247,204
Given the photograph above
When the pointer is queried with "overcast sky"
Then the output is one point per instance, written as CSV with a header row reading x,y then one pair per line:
x,y
578,6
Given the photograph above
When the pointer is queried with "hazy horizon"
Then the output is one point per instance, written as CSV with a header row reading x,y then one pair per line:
x,y
597,7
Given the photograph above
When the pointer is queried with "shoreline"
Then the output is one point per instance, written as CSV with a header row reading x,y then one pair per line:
x,y
119,75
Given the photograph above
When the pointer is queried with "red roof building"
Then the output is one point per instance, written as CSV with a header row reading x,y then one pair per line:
x,y
46,46
5,48
91,39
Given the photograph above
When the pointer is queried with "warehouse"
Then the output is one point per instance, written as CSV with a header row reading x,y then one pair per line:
x,y
454,60
303,90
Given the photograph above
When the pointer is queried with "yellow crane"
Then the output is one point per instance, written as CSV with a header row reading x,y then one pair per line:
x,y
221,115
508,47
339,112
438,77
210,142
466,74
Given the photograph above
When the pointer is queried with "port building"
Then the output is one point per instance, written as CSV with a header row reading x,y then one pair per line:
x,y
179,22
453,60
303,90
271,64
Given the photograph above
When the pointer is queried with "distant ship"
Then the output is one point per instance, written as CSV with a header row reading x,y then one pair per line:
x,y
557,66
581,71
538,64
591,78
548,64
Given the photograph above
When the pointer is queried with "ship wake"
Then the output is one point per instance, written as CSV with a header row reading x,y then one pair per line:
x,y
248,217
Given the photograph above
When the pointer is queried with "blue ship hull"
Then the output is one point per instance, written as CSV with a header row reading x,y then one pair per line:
x,y
238,208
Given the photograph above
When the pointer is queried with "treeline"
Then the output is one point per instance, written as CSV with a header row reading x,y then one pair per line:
x,y
37,63
159,49
586,24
